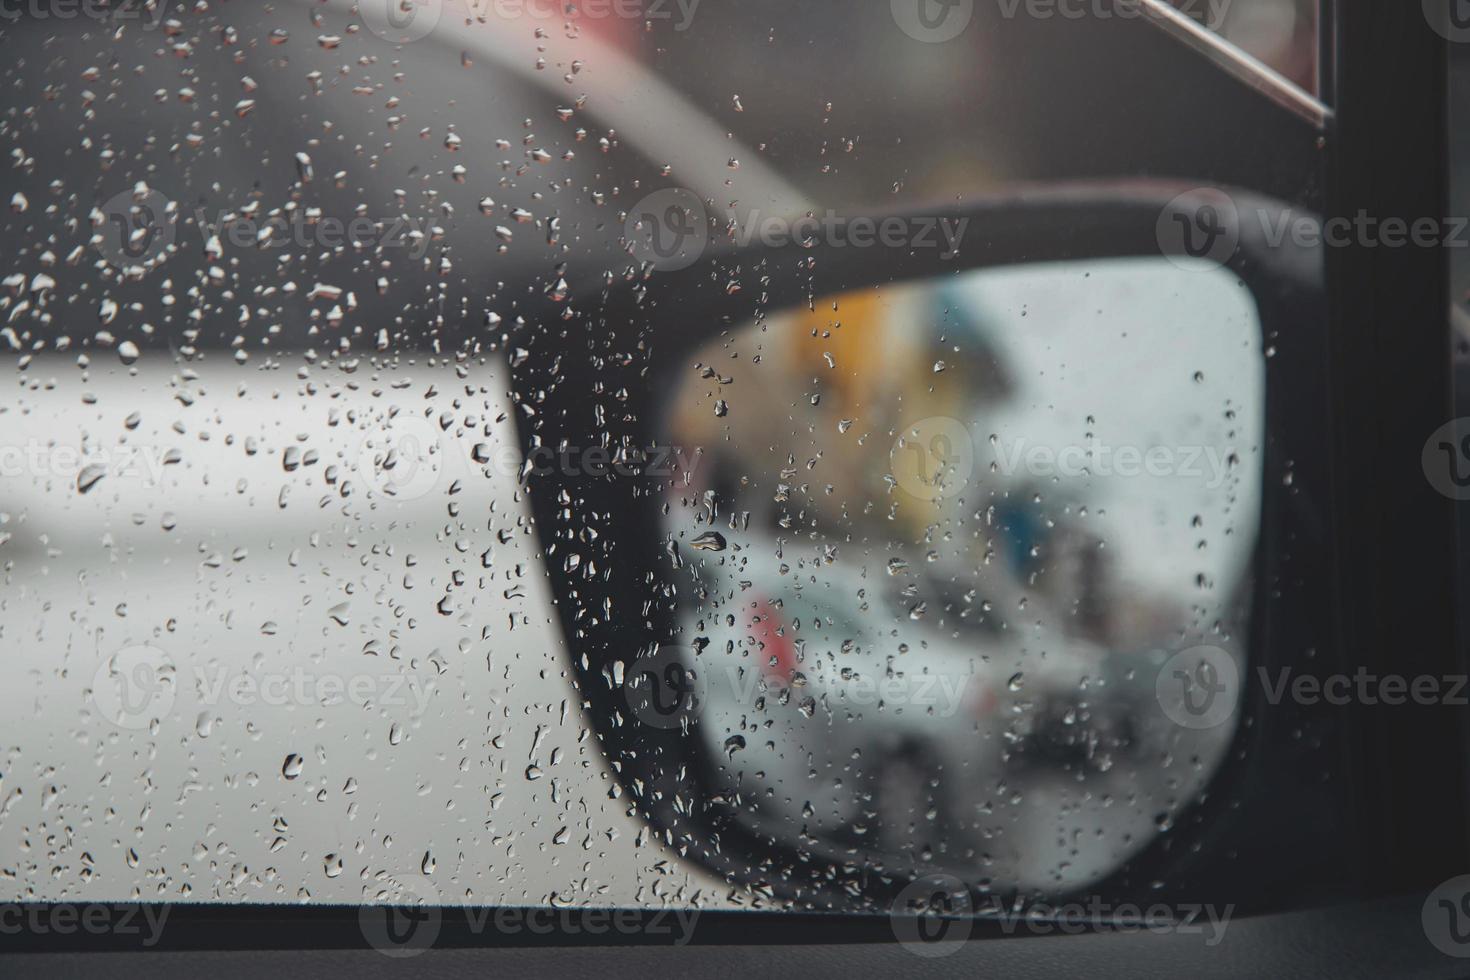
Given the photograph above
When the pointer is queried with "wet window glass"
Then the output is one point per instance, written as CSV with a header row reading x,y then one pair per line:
x,y
645,453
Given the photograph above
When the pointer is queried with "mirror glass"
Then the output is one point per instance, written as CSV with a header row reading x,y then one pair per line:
x,y
940,547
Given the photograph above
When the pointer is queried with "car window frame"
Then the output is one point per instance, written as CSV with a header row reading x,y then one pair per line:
x,y
1390,366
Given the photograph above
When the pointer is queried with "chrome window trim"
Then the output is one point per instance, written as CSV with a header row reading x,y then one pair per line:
x,y
1232,59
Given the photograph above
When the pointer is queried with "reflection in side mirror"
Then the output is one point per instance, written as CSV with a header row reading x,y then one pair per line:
x,y
967,560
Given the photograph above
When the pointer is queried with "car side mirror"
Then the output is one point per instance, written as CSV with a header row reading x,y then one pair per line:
x,y
881,563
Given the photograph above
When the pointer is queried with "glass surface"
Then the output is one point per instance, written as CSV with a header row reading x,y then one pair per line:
x,y
276,625
944,538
